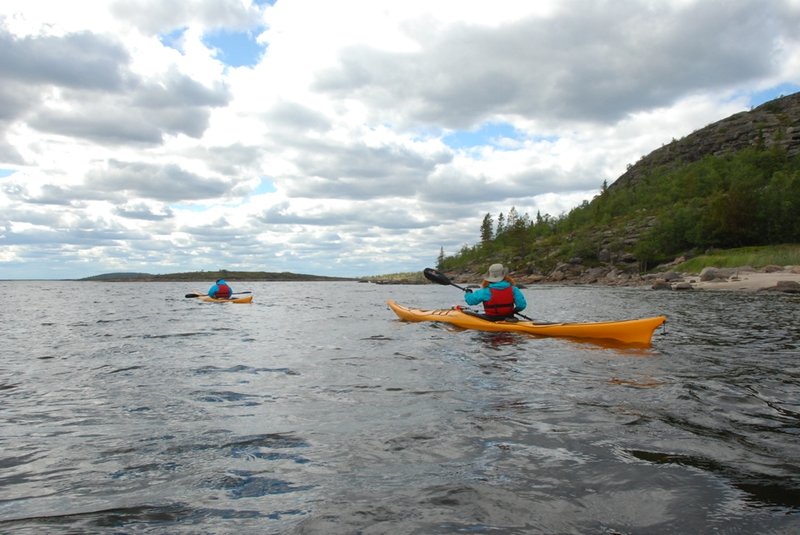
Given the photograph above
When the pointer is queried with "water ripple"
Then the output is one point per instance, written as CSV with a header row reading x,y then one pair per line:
x,y
150,414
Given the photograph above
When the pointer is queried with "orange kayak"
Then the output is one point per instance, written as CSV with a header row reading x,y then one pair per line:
x,y
635,332
243,299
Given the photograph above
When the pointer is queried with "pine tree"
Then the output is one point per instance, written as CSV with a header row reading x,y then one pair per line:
x,y
487,228
440,260
512,220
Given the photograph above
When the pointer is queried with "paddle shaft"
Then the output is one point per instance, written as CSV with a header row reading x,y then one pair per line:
x,y
459,287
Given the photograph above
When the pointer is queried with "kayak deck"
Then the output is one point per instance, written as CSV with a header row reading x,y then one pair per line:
x,y
635,331
243,299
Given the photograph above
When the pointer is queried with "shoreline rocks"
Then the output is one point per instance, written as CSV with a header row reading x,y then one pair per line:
x,y
784,279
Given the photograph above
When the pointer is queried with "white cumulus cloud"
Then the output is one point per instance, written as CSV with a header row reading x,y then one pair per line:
x,y
348,138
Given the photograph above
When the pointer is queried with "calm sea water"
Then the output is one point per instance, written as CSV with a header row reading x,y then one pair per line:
x,y
127,408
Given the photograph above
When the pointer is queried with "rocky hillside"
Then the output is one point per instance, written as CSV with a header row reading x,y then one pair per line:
x,y
672,203
774,123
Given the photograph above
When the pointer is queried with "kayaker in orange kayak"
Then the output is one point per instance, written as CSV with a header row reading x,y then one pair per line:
x,y
220,290
499,295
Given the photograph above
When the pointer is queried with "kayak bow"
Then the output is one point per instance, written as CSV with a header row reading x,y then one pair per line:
x,y
636,331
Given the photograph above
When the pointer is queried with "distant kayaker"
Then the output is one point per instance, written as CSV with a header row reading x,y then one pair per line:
x,y
220,290
498,293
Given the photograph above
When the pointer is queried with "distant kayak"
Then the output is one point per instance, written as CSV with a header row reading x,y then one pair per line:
x,y
243,299
635,331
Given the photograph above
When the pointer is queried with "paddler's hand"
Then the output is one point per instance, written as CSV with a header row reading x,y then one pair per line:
x,y
468,291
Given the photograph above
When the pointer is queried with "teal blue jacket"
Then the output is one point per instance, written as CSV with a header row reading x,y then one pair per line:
x,y
212,292
484,294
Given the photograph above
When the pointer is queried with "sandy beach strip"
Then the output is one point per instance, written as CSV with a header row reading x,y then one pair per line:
x,y
747,280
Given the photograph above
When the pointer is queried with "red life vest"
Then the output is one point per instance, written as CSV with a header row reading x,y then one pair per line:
x,y
223,291
501,303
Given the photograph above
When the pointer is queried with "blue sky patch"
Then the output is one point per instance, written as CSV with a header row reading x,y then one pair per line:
x,y
6,172
172,39
236,49
266,186
772,93
487,134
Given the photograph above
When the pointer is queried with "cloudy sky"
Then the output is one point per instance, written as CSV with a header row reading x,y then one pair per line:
x,y
347,137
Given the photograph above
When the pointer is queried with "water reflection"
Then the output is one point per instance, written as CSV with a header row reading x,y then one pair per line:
x,y
761,490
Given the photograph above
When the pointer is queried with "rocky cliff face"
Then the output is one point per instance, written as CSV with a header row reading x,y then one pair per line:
x,y
774,123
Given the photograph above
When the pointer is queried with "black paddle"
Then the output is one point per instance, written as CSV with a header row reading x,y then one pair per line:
x,y
198,295
440,278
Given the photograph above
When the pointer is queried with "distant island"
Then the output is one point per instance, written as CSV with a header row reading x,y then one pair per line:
x,y
210,276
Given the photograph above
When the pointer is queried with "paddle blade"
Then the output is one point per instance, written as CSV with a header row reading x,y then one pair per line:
x,y
192,295
436,276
